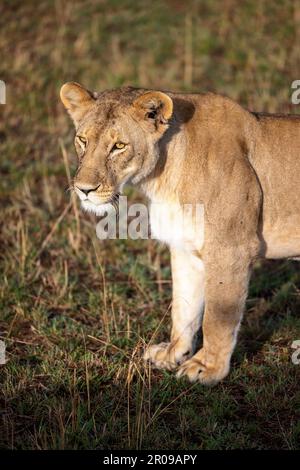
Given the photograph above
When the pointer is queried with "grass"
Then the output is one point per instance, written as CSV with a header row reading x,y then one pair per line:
x,y
76,312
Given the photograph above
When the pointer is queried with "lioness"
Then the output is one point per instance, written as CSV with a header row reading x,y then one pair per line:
x,y
181,149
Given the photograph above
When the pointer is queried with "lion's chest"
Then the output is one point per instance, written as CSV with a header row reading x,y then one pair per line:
x,y
178,226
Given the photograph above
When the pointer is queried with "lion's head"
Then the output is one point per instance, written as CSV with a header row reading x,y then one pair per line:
x,y
117,135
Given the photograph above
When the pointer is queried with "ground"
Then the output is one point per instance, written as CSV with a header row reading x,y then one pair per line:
x,y
76,313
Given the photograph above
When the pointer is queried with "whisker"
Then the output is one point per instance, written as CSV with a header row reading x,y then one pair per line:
x,y
70,188
115,202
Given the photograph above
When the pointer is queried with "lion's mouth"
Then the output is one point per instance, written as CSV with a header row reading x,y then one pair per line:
x,y
103,207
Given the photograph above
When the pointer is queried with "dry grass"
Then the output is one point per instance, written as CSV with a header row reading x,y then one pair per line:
x,y
76,313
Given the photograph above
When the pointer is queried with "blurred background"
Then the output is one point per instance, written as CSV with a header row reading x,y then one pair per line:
x,y
76,312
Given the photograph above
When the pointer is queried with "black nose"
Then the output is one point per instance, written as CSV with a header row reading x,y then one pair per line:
x,y
87,191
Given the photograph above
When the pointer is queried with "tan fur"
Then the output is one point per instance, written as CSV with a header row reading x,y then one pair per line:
x,y
190,149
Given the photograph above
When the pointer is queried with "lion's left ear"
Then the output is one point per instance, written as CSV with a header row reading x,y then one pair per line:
x,y
155,108
76,99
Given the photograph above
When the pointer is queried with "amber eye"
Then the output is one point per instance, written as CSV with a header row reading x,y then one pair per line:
x,y
82,139
82,144
119,146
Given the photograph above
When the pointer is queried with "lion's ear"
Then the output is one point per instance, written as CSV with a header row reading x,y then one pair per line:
x,y
155,108
76,99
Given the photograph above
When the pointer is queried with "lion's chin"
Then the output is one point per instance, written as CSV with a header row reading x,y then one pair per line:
x,y
98,209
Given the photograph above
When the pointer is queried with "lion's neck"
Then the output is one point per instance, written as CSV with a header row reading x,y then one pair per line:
x,y
165,189
163,185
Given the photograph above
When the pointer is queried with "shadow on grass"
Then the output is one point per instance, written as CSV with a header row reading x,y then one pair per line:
x,y
272,307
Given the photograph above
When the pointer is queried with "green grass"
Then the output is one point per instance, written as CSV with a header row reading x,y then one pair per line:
x,y
76,312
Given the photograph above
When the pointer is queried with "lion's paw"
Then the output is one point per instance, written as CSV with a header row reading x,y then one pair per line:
x,y
197,369
166,355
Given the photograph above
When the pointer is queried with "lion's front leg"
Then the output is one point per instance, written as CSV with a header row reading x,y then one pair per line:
x,y
187,307
226,288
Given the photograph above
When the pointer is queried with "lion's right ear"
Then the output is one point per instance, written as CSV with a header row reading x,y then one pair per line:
x,y
76,99
155,108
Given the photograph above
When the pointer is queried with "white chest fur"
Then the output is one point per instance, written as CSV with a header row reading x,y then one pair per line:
x,y
180,226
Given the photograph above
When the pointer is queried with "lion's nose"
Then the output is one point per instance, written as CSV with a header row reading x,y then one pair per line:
x,y
86,190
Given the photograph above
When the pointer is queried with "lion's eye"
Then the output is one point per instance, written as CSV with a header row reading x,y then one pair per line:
x,y
119,146
82,141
